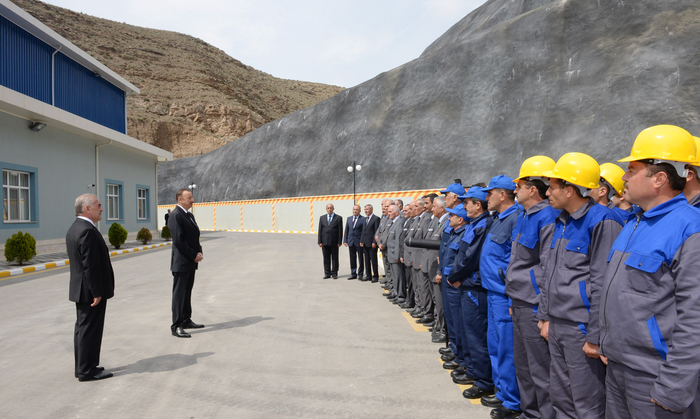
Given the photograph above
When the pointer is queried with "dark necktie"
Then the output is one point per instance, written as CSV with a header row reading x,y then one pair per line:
x,y
191,216
354,220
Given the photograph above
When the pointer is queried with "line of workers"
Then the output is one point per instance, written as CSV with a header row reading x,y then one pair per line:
x,y
571,291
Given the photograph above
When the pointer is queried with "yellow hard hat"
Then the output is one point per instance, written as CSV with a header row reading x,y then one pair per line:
x,y
612,174
576,168
697,157
534,167
666,143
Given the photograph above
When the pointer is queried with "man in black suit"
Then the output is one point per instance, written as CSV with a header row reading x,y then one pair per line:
x,y
353,234
330,237
91,284
167,215
186,254
369,244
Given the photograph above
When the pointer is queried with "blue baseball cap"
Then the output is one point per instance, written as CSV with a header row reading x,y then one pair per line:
x,y
455,188
500,182
475,192
458,211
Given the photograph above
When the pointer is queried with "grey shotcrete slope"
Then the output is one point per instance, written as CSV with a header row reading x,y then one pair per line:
x,y
511,80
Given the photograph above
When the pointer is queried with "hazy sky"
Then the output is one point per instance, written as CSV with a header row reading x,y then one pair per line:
x,y
337,42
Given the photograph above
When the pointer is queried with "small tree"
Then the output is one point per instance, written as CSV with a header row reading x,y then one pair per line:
x,y
117,235
144,235
165,233
20,248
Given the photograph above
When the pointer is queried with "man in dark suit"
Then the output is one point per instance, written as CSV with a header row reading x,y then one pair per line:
x,y
186,254
167,215
330,237
91,284
369,244
353,234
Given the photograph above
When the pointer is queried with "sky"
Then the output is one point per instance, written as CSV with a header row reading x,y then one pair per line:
x,y
339,42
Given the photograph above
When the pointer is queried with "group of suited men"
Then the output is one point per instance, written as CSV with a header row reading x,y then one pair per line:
x,y
566,292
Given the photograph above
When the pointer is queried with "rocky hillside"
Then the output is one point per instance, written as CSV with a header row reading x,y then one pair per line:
x,y
194,98
513,79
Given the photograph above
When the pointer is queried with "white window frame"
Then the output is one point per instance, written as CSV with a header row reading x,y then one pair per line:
x,y
142,203
113,201
6,196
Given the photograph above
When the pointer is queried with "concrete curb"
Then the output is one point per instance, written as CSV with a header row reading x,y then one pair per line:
x,y
43,266
262,231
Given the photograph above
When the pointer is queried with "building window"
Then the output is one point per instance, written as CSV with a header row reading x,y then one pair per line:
x,y
113,198
16,196
142,202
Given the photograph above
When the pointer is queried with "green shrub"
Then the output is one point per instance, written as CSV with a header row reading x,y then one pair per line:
x,y
165,233
144,235
117,235
20,248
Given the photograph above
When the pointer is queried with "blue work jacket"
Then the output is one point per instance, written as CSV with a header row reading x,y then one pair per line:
x,y
650,305
451,249
576,266
495,253
531,239
466,265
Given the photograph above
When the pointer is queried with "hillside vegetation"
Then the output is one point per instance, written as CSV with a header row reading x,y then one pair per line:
x,y
194,97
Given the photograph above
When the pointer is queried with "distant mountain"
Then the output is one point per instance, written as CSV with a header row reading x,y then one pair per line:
x,y
194,98
513,79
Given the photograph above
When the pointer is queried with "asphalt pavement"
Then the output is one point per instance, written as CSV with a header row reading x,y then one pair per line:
x,y
279,342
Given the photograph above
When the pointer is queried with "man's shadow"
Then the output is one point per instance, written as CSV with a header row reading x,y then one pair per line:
x,y
161,363
248,321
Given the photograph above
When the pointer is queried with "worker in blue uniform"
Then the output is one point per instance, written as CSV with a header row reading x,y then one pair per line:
x,y
454,357
464,275
458,222
650,305
495,256
583,235
531,239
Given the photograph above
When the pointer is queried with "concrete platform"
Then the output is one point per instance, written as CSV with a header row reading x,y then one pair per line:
x,y
280,342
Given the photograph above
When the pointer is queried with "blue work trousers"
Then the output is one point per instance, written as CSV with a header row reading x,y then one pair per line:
x,y
453,307
500,342
475,322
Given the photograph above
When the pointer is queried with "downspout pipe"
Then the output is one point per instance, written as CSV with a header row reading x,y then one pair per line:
x,y
53,77
97,174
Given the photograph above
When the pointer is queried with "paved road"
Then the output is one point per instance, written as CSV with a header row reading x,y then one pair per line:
x,y
280,342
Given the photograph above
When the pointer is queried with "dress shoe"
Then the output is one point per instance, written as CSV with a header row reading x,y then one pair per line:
x,y
425,320
96,369
326,277
391,296
448,357
399,301
417,314
444,351
180,332
450,365
375,280
192,325
386,287
458,371
463,379
406,305
363,279
503,412
99,375
429,324
335,276
430,329
475,392
439,338
491,401
352,277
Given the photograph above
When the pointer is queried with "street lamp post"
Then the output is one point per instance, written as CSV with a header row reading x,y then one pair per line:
x,y
352,169
193,186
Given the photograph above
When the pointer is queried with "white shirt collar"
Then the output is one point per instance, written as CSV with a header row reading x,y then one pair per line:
x,y
87,219
182,208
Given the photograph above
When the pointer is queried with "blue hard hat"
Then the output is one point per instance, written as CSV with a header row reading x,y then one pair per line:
x,y
500,182
458,211
455,188
475,192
